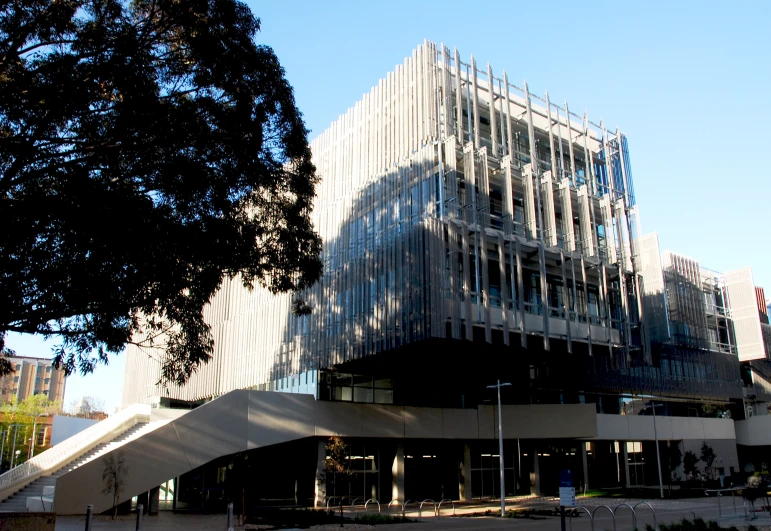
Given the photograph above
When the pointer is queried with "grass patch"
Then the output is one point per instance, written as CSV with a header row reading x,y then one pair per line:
x,y
533,514
642,493
378,519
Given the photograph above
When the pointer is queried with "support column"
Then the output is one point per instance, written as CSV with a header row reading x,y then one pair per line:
x,y
144,500
464,475
154,501
585,464
397,475
625,458
321,475
535,476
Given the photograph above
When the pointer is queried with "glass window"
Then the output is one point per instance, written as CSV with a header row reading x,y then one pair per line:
x,y
384,396
362,394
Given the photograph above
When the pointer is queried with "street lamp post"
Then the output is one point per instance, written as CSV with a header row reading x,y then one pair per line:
x,y
653,407
500,445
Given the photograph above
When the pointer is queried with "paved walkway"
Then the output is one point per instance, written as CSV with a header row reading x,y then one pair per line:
x,y
667,511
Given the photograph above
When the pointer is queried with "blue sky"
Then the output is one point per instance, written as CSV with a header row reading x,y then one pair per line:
x,y
687,82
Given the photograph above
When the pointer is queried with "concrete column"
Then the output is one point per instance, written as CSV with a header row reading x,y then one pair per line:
x,y
585,464
625,459
154,501
321,475
397,475
464,477
535,475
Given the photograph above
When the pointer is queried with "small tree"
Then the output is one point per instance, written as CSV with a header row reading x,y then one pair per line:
x,y
337,458
757,487
114,477
87,407
34,407
689,464
339,465
674,460
708,457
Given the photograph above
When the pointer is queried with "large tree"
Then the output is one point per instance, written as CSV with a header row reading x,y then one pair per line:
x,y
148,149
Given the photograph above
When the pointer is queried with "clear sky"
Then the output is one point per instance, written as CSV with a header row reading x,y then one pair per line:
x,y
687,82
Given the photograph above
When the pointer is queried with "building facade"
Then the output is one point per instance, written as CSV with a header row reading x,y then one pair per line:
x,y
473,232
32,376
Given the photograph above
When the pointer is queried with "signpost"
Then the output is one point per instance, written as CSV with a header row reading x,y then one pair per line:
x,y
567,494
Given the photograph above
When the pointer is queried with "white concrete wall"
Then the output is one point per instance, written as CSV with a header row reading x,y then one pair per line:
x,y
755,431
245,420
65,427
640,428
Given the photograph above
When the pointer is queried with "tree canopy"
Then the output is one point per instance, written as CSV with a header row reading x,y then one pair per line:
x,y
148,150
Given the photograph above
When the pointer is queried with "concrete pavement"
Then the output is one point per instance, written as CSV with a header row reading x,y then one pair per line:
x,y
667,511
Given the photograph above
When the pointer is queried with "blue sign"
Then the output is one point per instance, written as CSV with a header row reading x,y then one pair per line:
x,y
566,478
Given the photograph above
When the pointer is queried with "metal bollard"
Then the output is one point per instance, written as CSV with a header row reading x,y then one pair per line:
x,y
140,510
230,516
89,516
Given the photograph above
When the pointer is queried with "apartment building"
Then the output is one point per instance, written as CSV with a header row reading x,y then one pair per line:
x,y
474,232
32,376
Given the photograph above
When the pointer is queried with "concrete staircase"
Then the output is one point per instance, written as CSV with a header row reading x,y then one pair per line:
x,y
18,502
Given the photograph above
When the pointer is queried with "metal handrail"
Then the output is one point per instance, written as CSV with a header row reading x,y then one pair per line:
x,y
719,494
439,507
371,500
420,509
71,448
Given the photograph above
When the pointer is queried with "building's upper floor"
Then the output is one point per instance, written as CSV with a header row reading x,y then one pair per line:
x,y
687,304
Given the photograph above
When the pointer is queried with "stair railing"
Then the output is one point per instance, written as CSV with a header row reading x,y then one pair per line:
x,y
66,451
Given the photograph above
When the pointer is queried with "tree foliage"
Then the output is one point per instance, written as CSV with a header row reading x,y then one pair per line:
x,y
690,462
674,460
20,424
338,465
148,150
708,458
87,407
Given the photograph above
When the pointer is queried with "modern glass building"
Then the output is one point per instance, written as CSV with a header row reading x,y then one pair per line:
x,y
474,232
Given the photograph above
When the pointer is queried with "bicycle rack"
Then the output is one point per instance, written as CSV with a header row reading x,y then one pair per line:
x,y
353,505
341,498
612,515
613,512
634,514
371,500
439,507
397,502
404,506
574,509
636,505
420,509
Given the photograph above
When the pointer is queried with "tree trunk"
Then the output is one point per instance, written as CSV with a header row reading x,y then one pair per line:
x,y
115,505
34,428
